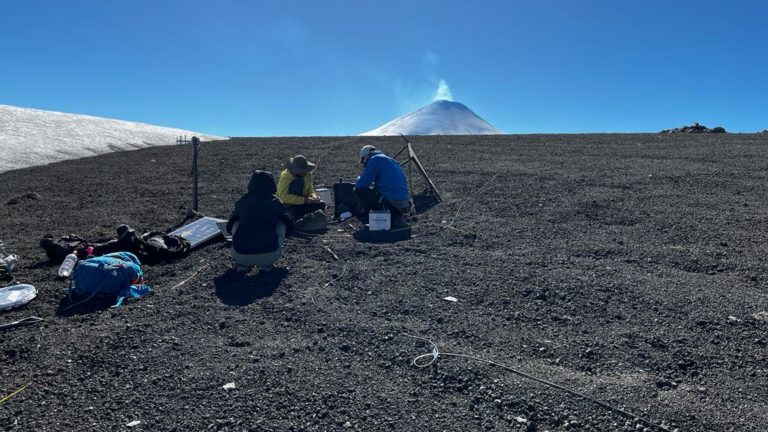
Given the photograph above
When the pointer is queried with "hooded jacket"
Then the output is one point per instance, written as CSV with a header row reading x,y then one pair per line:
x,y
258,212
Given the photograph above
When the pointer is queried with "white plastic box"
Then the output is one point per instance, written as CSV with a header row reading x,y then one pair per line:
x,y
325,195
379,220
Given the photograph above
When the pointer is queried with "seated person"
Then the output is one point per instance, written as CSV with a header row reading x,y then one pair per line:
x,y
390,190
258,225
296,190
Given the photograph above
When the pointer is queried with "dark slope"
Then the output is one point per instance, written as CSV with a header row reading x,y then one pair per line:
x,y
629,267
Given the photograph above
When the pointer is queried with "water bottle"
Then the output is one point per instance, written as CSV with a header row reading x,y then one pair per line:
x,y
69,263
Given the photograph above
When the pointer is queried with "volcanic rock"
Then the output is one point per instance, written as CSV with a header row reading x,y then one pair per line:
x,y
695,128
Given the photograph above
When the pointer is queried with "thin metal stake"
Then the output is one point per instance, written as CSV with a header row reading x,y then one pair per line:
x,y
195,147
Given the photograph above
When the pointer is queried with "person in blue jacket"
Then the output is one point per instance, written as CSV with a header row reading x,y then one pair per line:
x,y
382,185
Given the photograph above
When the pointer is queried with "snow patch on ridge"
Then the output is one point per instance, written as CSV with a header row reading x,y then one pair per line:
x,y
30,137
438,118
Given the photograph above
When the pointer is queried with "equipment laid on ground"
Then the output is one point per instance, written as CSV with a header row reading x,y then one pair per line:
x,y
16,295
200,231
151,247
429,196
22,322
117,274
222,225
324,194
313,222
379,220
7,263
343,198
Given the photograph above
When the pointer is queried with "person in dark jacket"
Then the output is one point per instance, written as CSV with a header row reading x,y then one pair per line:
x,y
382,185
258,224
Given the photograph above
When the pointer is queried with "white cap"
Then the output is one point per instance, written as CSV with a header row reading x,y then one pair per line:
x,y
366,150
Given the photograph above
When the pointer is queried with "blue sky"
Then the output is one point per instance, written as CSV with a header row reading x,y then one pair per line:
x,y
262,68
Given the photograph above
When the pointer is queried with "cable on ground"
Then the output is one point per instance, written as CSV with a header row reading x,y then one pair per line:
x,y
26,321
7,398
472,196
190,278
312,298
425,360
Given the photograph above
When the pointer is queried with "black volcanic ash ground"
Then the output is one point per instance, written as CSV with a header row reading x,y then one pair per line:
x,y
631,268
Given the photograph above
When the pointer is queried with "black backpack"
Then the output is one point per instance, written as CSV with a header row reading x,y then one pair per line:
x,y
57,250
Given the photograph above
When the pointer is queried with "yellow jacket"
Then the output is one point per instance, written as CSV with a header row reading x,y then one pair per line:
x,y
285,182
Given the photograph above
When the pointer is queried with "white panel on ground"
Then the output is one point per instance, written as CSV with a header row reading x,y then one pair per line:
x,y
200,231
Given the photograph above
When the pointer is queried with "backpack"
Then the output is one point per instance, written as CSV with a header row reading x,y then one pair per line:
x,y
152,247
57,250
117,274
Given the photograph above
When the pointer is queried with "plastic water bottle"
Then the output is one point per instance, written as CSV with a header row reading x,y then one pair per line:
x,y
69,263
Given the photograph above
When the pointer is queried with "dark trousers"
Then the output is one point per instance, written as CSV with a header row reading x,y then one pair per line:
x,y
298,211
369,199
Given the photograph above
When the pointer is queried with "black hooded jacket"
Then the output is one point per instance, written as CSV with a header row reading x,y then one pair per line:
x,y
258,211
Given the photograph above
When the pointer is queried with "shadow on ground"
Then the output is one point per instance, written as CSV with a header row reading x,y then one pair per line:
x,y
241,290
392,236
83,305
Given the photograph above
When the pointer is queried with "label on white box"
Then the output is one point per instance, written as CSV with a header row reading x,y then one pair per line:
x,y
379,220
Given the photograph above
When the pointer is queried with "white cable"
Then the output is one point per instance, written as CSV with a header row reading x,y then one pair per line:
x,y
433,356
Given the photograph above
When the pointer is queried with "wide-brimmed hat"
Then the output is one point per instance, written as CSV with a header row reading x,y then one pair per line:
x,y
300,165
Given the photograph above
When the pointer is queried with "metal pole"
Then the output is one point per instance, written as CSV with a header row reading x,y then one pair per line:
x,y
195,146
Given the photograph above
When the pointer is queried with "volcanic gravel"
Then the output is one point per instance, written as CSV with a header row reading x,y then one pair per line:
x,y
629,268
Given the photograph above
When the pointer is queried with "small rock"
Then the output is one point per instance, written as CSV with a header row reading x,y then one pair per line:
x,y
451,299
32,196
133,423
229,386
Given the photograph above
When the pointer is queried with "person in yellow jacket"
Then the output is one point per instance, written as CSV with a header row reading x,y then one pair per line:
x,y
296,190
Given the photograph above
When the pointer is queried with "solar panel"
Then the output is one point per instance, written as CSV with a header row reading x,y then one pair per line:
x,y
200,231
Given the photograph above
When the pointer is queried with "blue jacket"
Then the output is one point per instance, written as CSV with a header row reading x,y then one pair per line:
x,y
386,175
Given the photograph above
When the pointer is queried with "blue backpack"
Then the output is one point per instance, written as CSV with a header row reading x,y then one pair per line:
x,y
117,274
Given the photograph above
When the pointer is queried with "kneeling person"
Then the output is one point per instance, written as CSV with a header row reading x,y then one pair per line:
x,y
296,189
258,224
390,189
